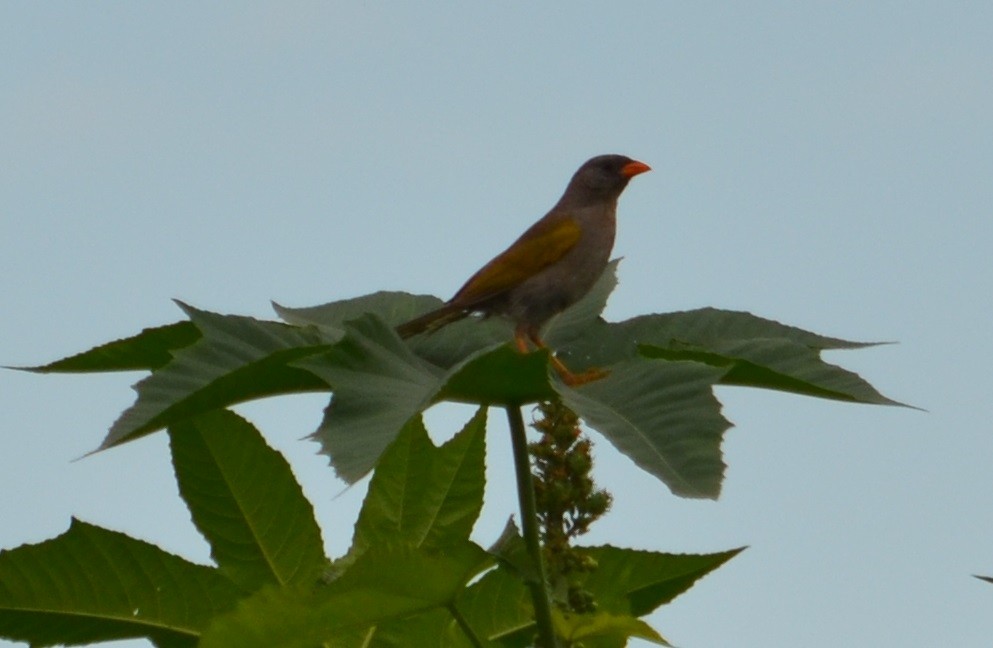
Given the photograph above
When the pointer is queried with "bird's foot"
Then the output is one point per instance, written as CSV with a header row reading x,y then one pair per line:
x,y
521,336
588,376
577,379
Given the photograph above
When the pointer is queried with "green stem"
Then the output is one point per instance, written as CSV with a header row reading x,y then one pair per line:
x,y
466,628
529,527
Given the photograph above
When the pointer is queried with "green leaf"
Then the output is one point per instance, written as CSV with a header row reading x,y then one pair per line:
x,y
756,352
778,364
434,628
603,629
383,584
633,582
422,495
381,382
705,326
433,577
663,415
150,349
238,359
245,501
512,553
498,607
499,376
91,584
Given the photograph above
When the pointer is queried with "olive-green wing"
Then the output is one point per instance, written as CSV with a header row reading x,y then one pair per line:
x,y
543,244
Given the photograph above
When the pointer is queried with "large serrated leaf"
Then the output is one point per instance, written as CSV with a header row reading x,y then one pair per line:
x,y
379,384
245,501
663,415
778,364
238,359
756,352
91,584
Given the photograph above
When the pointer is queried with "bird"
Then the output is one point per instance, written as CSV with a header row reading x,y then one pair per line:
x,y
551,266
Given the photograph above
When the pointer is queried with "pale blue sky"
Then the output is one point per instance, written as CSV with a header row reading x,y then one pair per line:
x,y
829,165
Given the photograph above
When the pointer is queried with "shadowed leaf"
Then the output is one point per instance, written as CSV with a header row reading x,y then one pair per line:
x,y
379,384
756,352
778,364
150,349
663,415
238,359
704,326
500,376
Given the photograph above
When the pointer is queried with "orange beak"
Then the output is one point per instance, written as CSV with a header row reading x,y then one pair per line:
x,y
633,168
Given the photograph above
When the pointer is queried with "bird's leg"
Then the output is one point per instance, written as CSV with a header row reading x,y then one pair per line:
x,y
521,338
568,377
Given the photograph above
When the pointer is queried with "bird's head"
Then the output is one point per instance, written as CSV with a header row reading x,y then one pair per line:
x,y
600,179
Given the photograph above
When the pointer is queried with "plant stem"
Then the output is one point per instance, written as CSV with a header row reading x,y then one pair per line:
x,y
470,634
529,527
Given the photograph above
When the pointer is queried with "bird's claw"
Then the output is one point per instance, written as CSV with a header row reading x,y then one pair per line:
x,y
577,379
588,376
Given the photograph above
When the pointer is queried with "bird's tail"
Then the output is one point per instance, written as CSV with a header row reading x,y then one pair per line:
x,y
432,321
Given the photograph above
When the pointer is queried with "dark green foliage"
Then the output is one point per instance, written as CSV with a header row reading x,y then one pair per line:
x,y
412,575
